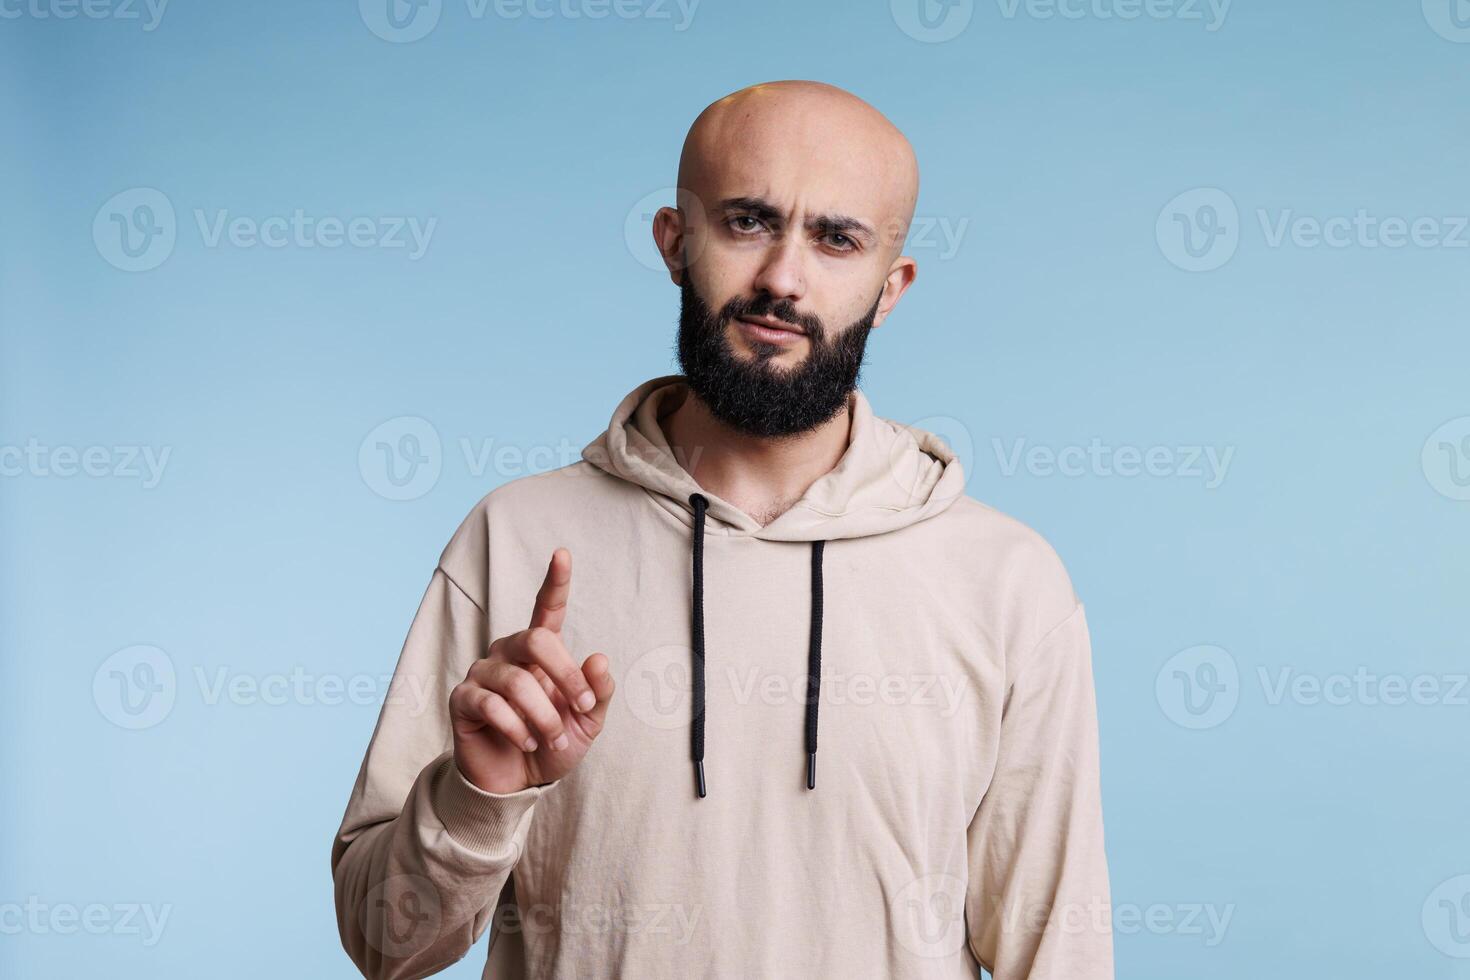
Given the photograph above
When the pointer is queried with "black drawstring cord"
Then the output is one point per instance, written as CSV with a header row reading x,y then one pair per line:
x,y
697,728
813,665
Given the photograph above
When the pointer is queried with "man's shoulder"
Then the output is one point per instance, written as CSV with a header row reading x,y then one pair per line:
x,y
999,535
1015,564
549,494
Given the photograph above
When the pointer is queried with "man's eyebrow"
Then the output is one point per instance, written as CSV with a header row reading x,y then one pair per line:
x,y
826,224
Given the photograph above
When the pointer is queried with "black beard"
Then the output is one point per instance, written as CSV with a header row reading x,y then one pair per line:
x,y
752,396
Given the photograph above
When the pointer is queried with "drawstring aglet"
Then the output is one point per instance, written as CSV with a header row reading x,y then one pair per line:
x,y
699,776
811,770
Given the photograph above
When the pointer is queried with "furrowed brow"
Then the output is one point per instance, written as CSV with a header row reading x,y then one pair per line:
x,y
756,207
828,224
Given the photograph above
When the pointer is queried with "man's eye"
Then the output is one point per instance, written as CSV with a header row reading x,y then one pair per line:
x,y
841,242
744,222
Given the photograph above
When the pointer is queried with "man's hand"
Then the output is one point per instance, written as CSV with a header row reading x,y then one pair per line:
x,y
526,714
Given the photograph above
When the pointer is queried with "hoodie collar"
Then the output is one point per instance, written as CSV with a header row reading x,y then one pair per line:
x,y
889,477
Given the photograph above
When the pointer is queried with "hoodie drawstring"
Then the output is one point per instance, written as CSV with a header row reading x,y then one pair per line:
x,y
814,654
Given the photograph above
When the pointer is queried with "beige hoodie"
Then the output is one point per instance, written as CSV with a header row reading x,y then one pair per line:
x,y
955,818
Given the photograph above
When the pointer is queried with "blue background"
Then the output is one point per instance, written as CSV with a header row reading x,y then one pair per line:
x,y
1049,148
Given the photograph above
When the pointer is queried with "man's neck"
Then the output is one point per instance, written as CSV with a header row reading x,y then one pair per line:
x,y
763,477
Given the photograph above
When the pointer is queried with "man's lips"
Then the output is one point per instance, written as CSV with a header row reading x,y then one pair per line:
x,y
768,328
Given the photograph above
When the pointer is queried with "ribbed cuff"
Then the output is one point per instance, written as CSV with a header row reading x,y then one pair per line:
x,y
483,822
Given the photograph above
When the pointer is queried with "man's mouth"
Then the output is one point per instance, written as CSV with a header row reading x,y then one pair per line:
x,y
770,330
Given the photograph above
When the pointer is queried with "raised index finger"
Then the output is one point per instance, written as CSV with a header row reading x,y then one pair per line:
x,y
551,602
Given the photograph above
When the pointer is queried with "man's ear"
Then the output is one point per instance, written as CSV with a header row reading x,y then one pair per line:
x,y
900,277
668,238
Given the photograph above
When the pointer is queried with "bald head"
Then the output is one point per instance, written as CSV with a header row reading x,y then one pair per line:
x,y
807,144
794,202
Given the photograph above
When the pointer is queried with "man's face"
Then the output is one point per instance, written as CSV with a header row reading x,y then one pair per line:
x,y
793,205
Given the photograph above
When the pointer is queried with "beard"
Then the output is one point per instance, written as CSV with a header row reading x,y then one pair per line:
x,y
754,396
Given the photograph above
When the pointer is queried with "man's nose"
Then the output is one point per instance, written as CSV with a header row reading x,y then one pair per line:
x,y
783,273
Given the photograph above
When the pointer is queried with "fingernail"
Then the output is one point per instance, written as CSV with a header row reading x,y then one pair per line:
x,y
587,700
530,745
560,743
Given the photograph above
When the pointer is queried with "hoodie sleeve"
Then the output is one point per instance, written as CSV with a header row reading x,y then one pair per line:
x,y
422,853
1037,903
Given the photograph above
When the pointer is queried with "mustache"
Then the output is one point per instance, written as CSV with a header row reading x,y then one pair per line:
x,y
784,310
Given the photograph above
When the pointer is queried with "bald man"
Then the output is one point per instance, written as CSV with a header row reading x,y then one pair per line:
x,y
763,565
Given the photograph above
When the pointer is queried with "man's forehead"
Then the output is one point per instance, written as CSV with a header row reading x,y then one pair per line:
x,y
800,185
806,149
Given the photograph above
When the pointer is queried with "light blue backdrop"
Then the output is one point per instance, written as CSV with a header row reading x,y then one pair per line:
x,y
1192,302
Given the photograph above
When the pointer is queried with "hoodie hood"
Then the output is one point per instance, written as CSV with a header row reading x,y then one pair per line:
x,y
891,475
